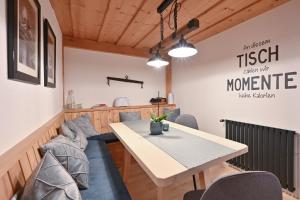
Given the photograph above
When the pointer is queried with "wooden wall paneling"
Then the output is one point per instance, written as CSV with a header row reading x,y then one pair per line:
x,y
49,134
103,117
6,191
68,116
32,158
113,116
25,166
44,139
97,120
18,162
168,78
104,121
16,177
36,150
146,113
56,131
75,115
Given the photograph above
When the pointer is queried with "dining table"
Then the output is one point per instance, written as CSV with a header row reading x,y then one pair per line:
x,y
174,155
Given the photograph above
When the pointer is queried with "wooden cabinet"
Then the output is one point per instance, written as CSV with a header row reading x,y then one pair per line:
x,y
102,117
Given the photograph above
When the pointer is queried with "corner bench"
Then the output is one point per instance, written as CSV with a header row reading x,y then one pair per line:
x,y
105,181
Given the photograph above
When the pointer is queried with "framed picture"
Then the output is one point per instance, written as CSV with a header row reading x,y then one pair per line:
x,y
23,32
49,55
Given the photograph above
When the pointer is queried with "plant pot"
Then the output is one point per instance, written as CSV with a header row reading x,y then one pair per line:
x,y
156,128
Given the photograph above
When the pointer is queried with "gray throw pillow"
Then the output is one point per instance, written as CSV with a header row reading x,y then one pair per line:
x,y
84,122
71,157
172,114
129,116
50,181
80,139
66,131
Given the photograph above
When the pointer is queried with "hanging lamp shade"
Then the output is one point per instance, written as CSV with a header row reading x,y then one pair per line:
x,y
157,61
182,49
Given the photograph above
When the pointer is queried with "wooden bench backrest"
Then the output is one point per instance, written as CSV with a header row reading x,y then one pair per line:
x,y
17,164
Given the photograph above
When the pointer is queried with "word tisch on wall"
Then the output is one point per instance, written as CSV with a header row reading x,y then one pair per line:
x,y
261,82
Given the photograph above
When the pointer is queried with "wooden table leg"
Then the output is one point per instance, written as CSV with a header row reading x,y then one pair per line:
x,y
127,161
202,180
205,179
160,193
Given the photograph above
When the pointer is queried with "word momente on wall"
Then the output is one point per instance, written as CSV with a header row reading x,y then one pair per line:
x,y
257,81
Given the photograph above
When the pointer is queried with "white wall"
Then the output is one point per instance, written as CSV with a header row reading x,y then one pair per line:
x,y
200,82
86,72
25,107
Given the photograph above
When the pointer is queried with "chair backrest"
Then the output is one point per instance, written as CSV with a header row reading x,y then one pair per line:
x,y
187,120
172,114
129,116
245,186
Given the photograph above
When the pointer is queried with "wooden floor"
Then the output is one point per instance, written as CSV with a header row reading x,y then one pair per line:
x,y
141,187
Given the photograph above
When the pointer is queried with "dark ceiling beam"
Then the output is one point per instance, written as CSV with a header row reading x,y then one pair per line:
x,y
192,25
155,27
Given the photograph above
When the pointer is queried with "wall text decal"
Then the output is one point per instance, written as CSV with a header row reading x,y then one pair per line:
x,y
257,81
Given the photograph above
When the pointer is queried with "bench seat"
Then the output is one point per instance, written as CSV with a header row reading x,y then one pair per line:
x,y
105,181
106,137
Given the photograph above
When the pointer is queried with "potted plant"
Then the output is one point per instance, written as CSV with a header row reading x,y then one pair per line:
x,y
156,125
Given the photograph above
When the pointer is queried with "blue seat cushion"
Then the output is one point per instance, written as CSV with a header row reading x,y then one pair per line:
x,y
106,137
105,182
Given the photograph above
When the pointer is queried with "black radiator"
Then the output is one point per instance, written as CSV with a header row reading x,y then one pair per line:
x,y
270,149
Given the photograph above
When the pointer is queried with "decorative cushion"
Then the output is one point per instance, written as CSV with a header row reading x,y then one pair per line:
x,y
71,157
50,181
172,114
66,131
129,116
84,123
80,139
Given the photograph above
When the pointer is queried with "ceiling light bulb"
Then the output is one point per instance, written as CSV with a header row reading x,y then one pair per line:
x,y
157,61
182,49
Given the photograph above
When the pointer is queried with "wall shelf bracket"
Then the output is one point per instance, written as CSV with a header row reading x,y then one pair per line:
x,y
126,79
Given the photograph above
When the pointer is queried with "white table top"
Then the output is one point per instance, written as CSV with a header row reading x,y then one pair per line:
x,y
164,169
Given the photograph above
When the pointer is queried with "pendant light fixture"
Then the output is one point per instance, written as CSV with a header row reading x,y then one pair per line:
x,y
182,49
157,60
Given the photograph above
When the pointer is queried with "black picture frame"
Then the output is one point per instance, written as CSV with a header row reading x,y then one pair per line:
x,y
17,62
48,32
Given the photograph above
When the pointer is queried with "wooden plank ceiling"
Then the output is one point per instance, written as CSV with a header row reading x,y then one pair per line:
x,y
132,26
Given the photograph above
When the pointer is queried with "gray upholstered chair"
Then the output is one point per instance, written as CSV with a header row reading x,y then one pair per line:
x,y
172,114
129,116
187,120
245,186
